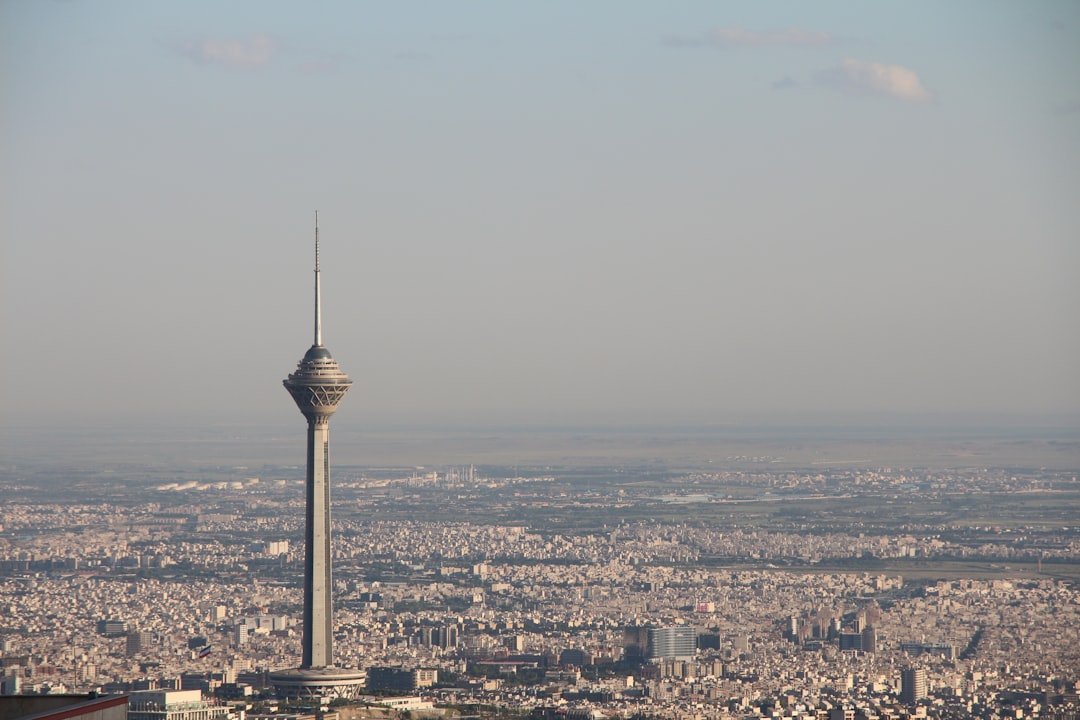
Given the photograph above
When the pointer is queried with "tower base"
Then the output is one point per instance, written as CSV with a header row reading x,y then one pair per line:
x,y
324,682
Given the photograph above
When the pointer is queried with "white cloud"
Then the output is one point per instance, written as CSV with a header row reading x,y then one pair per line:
x,y
251,52
864,77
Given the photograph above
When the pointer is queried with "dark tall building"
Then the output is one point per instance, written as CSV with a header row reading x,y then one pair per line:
x,y
138,641
869,639
573,656
635,642
445,637
913,686
864,641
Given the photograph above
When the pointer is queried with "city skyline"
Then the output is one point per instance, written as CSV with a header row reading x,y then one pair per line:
x,y
617,213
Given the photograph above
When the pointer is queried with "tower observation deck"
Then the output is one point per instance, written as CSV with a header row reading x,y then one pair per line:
x,y
318,386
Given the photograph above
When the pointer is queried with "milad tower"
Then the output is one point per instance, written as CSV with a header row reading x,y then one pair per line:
x,y
317,386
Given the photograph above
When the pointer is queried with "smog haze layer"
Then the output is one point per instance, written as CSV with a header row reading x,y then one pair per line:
x,y
769,448
553,214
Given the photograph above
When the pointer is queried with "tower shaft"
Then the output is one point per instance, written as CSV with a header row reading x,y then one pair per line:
x,y
317,386
318,578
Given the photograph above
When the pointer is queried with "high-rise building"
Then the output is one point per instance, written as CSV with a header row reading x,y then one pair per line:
x,y
913,685
317,386
241,632
869,639
112,628
635,642
676,642
446,637
850,641
137,641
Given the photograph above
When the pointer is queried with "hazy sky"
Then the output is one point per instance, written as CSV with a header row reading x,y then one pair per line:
x,y
540,212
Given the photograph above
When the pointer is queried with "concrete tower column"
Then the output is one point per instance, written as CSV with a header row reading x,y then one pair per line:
x,y
318,577
317,386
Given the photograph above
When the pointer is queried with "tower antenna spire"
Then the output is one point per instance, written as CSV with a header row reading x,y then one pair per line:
x,y
318,286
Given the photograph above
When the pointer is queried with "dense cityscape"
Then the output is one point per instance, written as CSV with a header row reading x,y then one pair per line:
x,y
614,591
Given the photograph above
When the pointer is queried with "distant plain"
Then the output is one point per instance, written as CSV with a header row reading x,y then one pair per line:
x,y
670,447
588,479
